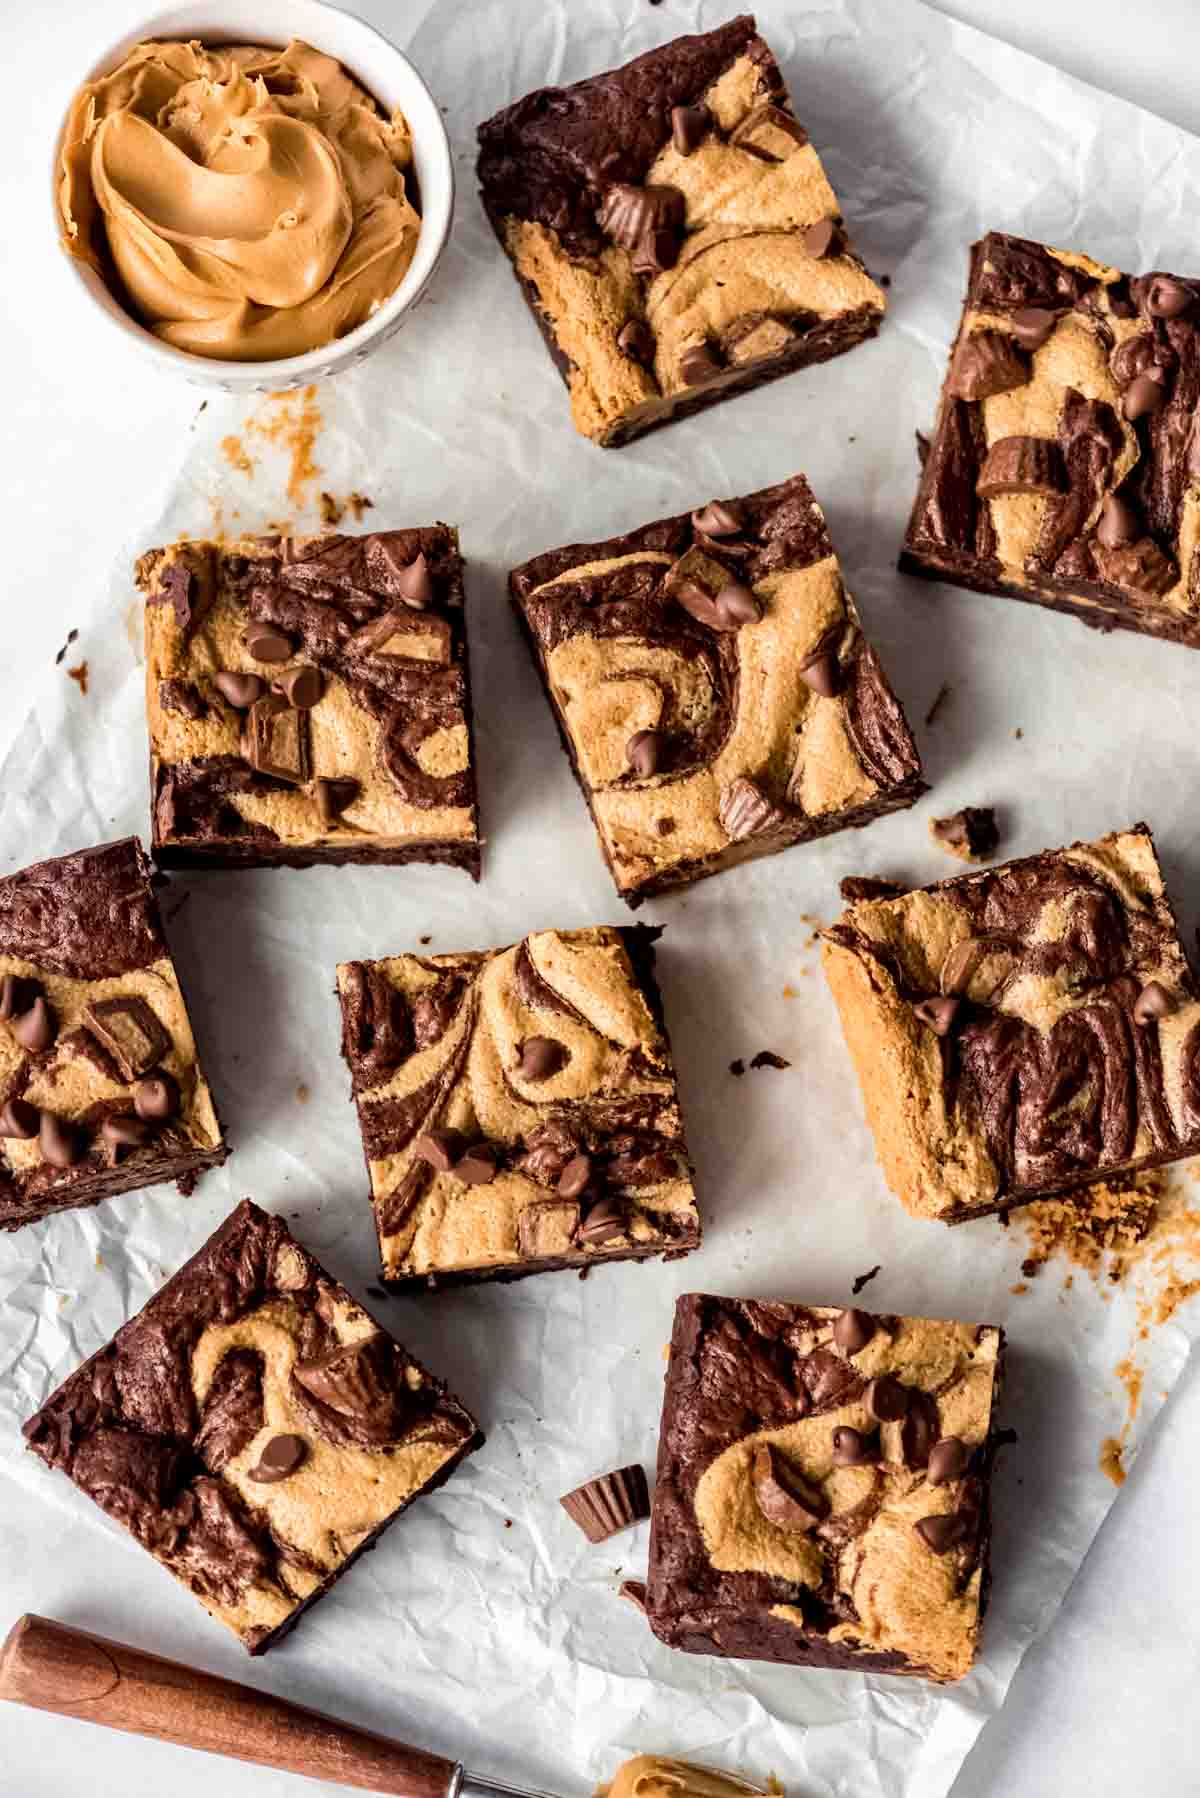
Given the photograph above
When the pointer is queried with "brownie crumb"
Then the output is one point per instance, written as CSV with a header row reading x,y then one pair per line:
x,y
71,636
425,939
737,1067
767,1058
940,698
865,1279
331,510
971,834
359,503
79,674
868,886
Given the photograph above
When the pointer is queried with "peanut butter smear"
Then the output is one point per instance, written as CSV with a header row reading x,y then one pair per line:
x,y
652,1776
244,203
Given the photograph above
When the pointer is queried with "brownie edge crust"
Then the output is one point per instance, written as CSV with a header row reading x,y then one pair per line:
x,y
823,1488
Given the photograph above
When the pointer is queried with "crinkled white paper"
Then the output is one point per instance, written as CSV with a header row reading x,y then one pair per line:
x,y
484,1625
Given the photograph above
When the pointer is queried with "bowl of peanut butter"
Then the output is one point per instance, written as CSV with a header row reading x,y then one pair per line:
x,y
255,194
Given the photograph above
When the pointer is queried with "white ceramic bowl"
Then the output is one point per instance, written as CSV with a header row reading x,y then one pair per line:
x,y
393,81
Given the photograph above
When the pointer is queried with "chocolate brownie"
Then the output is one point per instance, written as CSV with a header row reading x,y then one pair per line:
x,y
713,688
1024,1031
518,1107
100,1085
823,1487
253,1428
1064,466
308,701
673,232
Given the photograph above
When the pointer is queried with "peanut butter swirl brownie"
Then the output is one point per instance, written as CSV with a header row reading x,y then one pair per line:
x,y
1024,1031
309,701
1065,467
713,688
518,1107
673,231
823,1487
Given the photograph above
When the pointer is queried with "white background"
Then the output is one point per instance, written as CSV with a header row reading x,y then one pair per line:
x,y
1107,1702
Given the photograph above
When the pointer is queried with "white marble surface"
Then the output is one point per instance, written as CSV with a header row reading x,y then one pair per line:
x,y
1106,1703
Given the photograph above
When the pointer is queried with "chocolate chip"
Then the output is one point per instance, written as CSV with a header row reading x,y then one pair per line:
x,y
241,690
302,687
823,239
851,1448
771,132
919,1431
698,363
1145,394
572,1182
541,1057
1168,298
440,1148
131,1033
717,519
736,606
16,995
1022,465
688,126
19,1118
477,1167
605,1220
414,585
36,1028
986,363
333,795
784,1497
942,1532
1032,325
939,1013
60,1144
643,752
823,674
156,1097
279,1460
635,339
886,1399
123,1131
948,1460
1153,1002
1118,524
267,644
852,1330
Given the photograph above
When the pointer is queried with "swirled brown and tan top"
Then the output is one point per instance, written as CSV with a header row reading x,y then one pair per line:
x,y
673,231
244,203
1023,1031
308,701
823,1486
518,1107
714,689
1065,467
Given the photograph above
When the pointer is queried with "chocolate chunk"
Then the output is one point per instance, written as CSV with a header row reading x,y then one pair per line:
x,y
573,1180
477,1167
886,1398
635,339
1032,325
971,833
688,127
547,1228
824,239
986,363
156,1097
745,811
1145,394
124,1131
1118,524
948,1460
279,1460
266,643
434,1011
919,1430
699,362
333,795
823,674
440,1148
770,132
1139,567
20,1119
644,751
241,690
1168,298
60,1143
851,1448
541,1058
275,740
943,1532
852,1330
963,959
938,1013
604,1220
717,519
302,687
784,1497
357,1391
646,221
608,1504
177,696
233,1410
36,1028
1022,465
389,634
414,584
1153,1002
17,994
767,1058
130,1032
1132,357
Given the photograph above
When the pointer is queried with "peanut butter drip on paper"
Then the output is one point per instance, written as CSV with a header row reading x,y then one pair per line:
x,y
246,203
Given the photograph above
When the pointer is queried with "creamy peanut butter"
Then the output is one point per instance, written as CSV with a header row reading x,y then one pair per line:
x,y
245,203
655,1776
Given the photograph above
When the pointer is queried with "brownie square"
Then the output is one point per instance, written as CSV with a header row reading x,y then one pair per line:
x,y
518,1107
673,232
101,1088
308,701
713,688
823,1487
1063,466
1022,1031
253,1428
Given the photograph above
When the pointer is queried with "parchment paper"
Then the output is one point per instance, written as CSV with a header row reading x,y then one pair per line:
x,y
484,1625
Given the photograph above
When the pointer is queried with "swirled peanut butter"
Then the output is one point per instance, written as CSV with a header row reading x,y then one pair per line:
x,y
652,1776
245,203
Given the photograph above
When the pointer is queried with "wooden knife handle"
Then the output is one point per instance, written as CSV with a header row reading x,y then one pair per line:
x,y
53,1667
